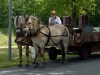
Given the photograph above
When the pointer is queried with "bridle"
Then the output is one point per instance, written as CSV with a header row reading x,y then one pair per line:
x,y
21,42
37,31
20,33
18,28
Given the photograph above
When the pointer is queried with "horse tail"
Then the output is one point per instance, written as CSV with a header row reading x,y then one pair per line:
x,y
64,44
67,31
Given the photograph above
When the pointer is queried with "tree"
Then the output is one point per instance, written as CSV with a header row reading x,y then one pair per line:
x,y
42,9
69,7
4,13
95,14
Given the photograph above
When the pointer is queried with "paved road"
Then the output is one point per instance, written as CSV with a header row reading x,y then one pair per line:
x,y
91,66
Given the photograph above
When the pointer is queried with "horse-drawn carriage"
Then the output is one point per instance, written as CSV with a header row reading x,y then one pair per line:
x,y
82,40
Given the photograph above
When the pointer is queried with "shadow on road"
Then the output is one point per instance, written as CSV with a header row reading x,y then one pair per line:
x,y
71,60
55,67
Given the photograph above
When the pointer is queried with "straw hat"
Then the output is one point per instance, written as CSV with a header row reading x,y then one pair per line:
x,y
53,12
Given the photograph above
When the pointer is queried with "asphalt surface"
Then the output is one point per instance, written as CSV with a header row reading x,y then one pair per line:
x,y
75,66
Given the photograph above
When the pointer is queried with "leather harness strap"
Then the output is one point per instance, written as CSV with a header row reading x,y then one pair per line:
x,y
49,36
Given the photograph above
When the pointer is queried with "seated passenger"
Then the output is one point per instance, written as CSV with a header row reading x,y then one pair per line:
x,y
54,19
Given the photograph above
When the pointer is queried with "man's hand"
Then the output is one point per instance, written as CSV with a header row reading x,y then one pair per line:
x,y
51,21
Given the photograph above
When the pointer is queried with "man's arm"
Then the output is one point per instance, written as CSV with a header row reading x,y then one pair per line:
x,y
50,21
59,21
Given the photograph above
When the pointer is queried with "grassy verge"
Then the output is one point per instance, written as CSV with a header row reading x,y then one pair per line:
x,y
4,37
4,40
4,63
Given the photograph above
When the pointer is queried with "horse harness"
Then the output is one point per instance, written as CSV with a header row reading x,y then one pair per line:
x,y
47,35
35,34
21,42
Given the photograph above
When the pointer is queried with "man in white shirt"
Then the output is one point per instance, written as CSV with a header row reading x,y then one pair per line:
x,y
54,19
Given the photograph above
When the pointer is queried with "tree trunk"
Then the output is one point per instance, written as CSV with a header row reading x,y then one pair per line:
x,y
73,13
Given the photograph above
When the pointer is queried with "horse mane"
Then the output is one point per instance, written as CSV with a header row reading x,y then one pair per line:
x,y
37,19
17,20
34,17
26,18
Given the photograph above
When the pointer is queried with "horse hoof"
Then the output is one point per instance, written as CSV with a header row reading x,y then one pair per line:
x,y
42,66
43,63
36,63
64,62
27,65
35,66
33,62
19,65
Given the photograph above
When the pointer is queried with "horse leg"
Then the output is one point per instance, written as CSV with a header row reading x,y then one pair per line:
x,y
35,63
65,43
42,56
27,56
35,56
63,55
20,55
62,51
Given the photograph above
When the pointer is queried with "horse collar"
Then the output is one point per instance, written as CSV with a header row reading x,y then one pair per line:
x,y
37,32
34,34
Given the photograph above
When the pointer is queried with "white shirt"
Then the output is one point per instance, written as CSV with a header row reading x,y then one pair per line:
x,y
55,21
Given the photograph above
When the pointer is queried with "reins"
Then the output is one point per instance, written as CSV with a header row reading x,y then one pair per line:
x,y
49,36
37,32
21,42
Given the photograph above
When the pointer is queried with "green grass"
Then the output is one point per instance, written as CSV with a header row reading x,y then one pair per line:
x,y
4,40
4,37
4,63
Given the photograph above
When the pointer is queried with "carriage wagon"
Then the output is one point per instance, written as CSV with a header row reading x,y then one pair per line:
x,y
84,39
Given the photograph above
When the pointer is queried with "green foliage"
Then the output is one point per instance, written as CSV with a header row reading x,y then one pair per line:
x,y
94,16
65,7
42,9
73,8
3,13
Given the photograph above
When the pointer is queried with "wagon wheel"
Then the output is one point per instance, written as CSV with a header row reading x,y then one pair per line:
x,y
89,52
83,53
52,53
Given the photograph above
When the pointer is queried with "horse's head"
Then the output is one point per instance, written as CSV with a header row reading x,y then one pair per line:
x,y
18,22
31,25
